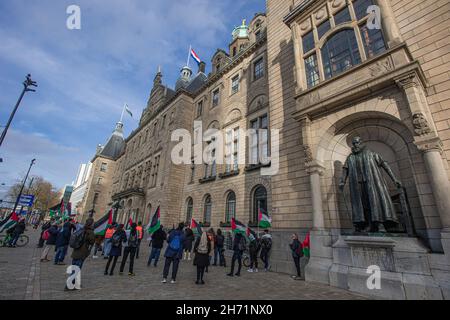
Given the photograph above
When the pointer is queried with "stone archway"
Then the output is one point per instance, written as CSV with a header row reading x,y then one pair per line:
x,y
394,142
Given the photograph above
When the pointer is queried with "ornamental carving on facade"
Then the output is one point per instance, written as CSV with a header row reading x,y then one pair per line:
x,y
420,123
380,67
308,153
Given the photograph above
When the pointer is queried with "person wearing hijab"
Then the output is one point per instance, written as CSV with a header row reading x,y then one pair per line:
x,y
130,248
202,250
80,254
118,237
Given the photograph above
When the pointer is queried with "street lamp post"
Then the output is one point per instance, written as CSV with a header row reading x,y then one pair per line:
x,y
26,84
23,185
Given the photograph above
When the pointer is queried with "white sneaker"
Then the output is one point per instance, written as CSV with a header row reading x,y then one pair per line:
x,y
250,270
94,257
256,270
173,281
164,281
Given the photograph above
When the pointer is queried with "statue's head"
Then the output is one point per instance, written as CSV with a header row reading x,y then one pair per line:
x,y
356,142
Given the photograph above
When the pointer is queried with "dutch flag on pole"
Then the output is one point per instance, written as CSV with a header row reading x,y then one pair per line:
x,y
195,56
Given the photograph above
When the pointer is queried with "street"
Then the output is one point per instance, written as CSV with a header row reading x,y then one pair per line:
x,y
23,276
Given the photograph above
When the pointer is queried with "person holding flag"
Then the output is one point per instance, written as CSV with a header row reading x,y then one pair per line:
x,y
239,245
254,247
155,230
266,246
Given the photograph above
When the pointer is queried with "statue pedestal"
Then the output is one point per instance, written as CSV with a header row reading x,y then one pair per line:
x,y
404,262
321,257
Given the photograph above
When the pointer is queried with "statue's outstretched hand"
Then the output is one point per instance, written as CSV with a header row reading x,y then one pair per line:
x,y
398,184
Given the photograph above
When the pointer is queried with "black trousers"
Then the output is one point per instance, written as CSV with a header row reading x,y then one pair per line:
x,y
111,258
200,273
297,266
254,260
131,252
237,255
137,249
176,262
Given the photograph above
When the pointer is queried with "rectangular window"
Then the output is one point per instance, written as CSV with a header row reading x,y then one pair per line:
x,y
232,150
323,28
192,170
360,7
342,16
99,181
258,35
308,42
215,98
103,167
373,41
258,71
235,84
259,142
312,71
199,108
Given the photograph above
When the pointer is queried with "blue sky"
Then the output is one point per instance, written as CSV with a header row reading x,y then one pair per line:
x,y
86,75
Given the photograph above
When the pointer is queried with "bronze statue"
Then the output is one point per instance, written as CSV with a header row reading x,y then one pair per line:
x,y
371,202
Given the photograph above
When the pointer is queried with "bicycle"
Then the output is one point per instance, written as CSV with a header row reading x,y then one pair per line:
x,y
21,242
246,258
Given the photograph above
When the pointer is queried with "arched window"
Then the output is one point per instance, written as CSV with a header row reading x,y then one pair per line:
x,y
189,210
207,209
230,211
259,202
149,214
340,53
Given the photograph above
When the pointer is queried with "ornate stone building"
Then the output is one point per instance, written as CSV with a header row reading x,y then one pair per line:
x,y
322,72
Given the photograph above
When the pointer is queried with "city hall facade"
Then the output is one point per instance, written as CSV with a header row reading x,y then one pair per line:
x,y
321,72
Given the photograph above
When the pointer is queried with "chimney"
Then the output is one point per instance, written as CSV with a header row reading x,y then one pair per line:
x,y
202,67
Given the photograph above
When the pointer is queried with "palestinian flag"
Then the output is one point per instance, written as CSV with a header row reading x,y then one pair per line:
x,y
251,234
264,221
155,223
9,222
129,223
238,227
195,227
101,225
305,245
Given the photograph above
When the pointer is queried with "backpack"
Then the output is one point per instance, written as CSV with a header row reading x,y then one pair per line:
x,y
242,244
133,240
46,235
77,239
220,241
175,244
116,239
266,243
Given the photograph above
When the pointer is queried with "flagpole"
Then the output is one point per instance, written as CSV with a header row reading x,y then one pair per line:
x,y
189,55
123,111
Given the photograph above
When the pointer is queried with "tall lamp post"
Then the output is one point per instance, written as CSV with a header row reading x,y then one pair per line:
x,y
23,185
26,88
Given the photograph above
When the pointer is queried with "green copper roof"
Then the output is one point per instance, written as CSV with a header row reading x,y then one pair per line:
x,y
241,31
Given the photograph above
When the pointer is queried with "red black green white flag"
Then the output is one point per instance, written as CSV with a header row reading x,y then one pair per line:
x,y
9,222
155,223
264,220
238,227
251,234
305,245
195,227
101,225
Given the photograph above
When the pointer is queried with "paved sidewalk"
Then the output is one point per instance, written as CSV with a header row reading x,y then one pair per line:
x,y
23,276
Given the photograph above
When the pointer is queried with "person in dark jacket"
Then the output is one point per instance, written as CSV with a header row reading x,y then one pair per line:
x,y
44,227
219,249
17,231
174,252
253,248
297,253
157,244
239,244
51,241
130,248
117,240
187,244
80,254
202,249
62,243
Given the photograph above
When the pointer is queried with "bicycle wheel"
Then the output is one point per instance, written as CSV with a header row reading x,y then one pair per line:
x,y
23,241
246,261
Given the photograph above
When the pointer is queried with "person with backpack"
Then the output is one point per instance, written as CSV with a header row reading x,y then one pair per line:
x,y
108,236
219,249
83,249
130,248
49,236
187,244
44,227
253,248
174,252
297,253
62,243
212,240
117,239
266,246
239,245
157,243
202,249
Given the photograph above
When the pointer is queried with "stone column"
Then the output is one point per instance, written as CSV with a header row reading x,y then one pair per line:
x,y
321,259
390,28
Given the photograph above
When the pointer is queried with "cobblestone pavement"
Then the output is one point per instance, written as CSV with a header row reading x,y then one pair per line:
x,y
23,276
